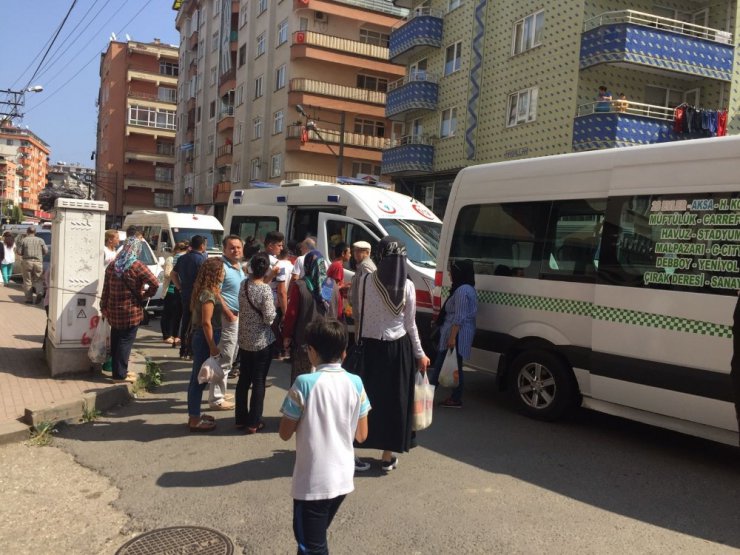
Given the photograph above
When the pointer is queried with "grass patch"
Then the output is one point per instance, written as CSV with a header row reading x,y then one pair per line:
x,y
89,414
42,433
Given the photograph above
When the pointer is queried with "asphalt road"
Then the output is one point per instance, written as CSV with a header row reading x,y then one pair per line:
x,y
483,480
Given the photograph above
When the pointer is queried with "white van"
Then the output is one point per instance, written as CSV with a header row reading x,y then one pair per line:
x,y
163,229
606,279
335,213
155,304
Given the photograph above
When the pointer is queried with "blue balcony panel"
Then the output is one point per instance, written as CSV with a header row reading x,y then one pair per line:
x,y
656,48
616,130
413,95
408,159
420,31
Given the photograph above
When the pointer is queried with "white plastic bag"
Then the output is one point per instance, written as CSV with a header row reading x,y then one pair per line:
x,y
448,375
423,402
98,350
211,371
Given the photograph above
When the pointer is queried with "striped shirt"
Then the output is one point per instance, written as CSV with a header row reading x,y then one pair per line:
x,y
460,309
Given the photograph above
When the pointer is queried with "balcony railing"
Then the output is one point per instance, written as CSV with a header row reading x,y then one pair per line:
x,y
332,136
224,150
348,46
152,97
411,154
228,76
626,107
292,176
657,22
304,85
382,6
149,123
420,12
414,76
422,28
226,111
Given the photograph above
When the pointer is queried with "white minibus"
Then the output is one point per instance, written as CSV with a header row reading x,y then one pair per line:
x,y
335,213
606,279
163,229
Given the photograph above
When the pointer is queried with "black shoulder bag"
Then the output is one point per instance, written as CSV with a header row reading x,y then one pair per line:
x,y
354,362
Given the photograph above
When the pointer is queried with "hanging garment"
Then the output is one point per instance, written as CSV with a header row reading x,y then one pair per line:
x,y
722,123
712,123
678,116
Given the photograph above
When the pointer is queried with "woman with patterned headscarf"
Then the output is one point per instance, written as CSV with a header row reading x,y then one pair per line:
x,y
128,282
392,351
310,298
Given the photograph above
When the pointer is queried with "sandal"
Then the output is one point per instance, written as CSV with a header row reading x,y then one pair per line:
x,y
260,426
170,340
203,425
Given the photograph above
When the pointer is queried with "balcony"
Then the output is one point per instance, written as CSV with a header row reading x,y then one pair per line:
x,y
292,176
227,82
421,29
616,124
653,42
328,48
221,192
153,157
225,119
364,147
408,155
417,91
336,97
132,180
156,78
223,155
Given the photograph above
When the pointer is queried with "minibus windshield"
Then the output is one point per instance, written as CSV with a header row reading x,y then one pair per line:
x,y
421,238
214,237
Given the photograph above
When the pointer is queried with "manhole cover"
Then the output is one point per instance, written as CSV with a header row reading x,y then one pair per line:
x,y
180,540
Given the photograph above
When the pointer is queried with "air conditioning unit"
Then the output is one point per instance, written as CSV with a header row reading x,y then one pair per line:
x,y
320,16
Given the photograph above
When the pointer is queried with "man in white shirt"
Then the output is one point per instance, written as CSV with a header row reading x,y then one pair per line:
x,y
306,246
110,246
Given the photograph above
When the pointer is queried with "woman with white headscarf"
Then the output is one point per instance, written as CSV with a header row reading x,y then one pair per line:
x,y
392,351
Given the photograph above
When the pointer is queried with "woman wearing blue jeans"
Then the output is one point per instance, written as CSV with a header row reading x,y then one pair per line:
x,y
206,307
458,326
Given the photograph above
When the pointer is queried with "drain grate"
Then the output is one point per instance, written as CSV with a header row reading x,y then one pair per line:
x,y
183,540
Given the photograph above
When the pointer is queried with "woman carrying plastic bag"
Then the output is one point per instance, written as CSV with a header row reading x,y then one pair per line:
x,y
98,350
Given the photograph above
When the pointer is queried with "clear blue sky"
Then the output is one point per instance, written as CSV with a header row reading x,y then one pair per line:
x,y
65,116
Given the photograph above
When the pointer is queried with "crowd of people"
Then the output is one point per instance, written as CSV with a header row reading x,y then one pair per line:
x,y
252,306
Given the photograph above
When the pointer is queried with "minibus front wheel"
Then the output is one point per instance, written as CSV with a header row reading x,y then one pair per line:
x,y
542,385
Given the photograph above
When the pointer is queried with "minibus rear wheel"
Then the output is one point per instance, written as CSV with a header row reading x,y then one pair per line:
x,y
542,385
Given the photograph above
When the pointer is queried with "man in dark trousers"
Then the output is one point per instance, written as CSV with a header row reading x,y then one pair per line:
x,y
183,276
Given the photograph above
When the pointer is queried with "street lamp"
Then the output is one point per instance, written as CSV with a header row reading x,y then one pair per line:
x,y
311,126
14,101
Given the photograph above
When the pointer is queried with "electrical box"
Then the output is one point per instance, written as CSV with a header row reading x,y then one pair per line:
x,y
76,281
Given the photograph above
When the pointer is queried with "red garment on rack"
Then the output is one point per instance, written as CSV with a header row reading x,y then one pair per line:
x,y
678,114
721,123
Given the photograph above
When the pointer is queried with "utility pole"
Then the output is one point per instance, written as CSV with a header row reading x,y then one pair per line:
x,y
14,101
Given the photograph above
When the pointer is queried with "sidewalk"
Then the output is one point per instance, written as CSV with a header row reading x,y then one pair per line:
x,y
25,382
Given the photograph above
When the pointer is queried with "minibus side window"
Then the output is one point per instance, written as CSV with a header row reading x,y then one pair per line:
x,y
501,239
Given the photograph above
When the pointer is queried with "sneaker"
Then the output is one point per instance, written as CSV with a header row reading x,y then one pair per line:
x,y
387,466
360,465
451,404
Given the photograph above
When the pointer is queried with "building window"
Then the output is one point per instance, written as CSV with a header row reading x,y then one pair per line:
x,y
370,127
453,4
239,95
372,83
260,45
242,55
374,37
236,172
201,49
303,23
276,165
365,168
216,8
214,41
453,58
150,117
280,77
163,200
243,11
261,6
282,32
166,94
254,169
257,128
163,174
168,68
448,123
258,86
167,149
527,32
277,122
239,132
213,75
211,144
522,107
212,110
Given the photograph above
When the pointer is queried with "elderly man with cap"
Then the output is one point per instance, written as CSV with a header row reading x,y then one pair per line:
x,y
32,250
365,265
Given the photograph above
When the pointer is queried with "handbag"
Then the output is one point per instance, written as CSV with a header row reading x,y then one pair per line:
x,y
448,374
98,350
354,362
275,326
423,402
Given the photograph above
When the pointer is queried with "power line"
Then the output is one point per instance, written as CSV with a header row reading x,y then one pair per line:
x,y
57,53
59,30
95,56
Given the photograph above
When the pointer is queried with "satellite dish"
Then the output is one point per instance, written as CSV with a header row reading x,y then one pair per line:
x,y
128,38
112,36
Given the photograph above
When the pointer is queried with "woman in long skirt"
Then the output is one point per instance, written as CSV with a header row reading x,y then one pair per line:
x,y
392,351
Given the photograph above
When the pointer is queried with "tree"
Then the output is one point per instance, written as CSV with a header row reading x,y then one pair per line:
x,y
17,216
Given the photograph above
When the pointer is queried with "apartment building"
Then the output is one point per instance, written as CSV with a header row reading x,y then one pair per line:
x,y
492,81
135,152
280,90
25,153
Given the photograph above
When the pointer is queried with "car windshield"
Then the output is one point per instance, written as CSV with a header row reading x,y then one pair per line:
x,y
213,237
421,238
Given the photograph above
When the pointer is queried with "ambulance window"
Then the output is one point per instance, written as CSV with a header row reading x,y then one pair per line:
x,y
253,228
336,232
